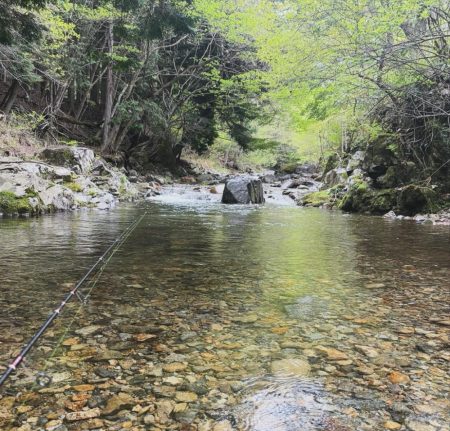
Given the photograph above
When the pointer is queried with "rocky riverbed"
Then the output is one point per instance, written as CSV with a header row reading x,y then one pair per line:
x,y
201,323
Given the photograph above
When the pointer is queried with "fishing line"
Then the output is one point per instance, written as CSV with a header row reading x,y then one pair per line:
x,y
104,260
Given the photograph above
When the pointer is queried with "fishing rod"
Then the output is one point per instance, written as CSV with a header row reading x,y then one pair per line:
x,y
75,291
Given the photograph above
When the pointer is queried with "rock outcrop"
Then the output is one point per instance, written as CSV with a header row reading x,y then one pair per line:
x,y
243,190
79,159
376,181
77,179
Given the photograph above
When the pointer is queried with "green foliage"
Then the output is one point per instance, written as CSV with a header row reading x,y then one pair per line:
x,y
348,131
332,62
225,150
262,144
287,159
259,159
162,18
15,24
72,143
288,81
25,121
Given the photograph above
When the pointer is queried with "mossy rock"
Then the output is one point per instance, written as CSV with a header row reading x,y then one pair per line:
x,y
61,156
334,177
317,199
362,198
390,179
12,204
414,199
92,192
381,152
398,175
383,201
409,200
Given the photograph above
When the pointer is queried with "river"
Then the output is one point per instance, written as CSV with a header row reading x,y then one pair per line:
x,y
216,317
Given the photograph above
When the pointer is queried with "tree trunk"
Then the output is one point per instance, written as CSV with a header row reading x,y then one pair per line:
x,y
108,90
71,96
11,96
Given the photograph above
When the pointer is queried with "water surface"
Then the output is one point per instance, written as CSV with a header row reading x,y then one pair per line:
x,y
204,299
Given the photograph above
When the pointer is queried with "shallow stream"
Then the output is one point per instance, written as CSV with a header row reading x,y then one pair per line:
x,y
216,317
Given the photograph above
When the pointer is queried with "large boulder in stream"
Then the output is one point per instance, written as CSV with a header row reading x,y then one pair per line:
x,y
243,190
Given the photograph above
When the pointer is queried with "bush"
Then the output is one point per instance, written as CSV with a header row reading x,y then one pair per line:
x,y
287,158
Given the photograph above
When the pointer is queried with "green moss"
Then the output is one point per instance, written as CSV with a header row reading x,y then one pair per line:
x,y
346,203
383,201
362,186
330,162
317,199
409,200
72,143
12,204
391,178
67,155
362,198
75,187
31,193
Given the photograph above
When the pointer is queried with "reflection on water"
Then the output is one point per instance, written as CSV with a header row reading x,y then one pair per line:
x,y
204,298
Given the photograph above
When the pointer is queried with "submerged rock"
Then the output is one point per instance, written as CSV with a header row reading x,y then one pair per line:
x,y
117,403
291,367
306,307
83,415
286,405
243,190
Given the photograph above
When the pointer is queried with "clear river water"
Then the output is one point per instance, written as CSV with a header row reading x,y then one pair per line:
x,y
211,317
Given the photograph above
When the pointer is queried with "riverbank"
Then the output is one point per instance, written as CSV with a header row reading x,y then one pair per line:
x,y
62,178
36,178
374,179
